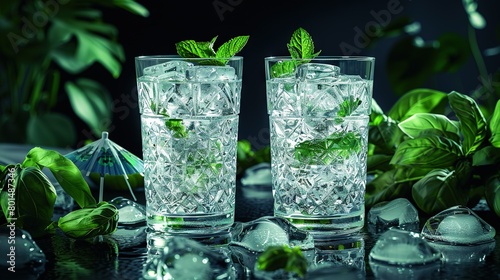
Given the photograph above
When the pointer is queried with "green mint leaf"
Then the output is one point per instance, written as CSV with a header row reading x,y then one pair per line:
x,y
193,49
174,125
301,45
348,106
283,68
301,49
232,47
324,151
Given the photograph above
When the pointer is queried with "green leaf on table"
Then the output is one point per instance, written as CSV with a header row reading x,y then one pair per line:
x,y
495,126
437,191
34,198
385,135
440,125
429,151
324,151
472,122
283,257
90,221
41,130
420,100
91,103
65,171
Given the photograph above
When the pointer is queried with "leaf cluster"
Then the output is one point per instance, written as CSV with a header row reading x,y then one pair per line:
x,y
27,197
436,160
46,48
194,49
301,49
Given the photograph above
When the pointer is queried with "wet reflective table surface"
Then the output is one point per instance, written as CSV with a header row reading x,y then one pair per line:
x,y
124,258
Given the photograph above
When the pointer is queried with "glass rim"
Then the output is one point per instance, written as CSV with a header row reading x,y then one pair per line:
x,y
324,58
178,57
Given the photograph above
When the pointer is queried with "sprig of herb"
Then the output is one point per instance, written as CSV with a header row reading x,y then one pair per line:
x,y
435,161
194,49
301,49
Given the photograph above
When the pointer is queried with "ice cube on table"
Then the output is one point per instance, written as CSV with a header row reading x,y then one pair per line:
x,y
129,212
171,70
400,247
317,72
460,254
395,213
267,231
211,73
458,225
184,258
252,238
27,259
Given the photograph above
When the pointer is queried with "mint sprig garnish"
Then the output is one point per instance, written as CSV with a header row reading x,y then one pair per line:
x,y
193,49
301,49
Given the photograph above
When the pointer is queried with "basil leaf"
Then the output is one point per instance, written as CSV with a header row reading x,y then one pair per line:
x,y
90,221
34,198
418,101
430,151
472,121
65,171
492,194
232,47
437,191
486,156
386,135
392,184
416,124
495,126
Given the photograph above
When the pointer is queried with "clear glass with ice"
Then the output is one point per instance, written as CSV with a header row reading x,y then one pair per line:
x,y
189,118
318,114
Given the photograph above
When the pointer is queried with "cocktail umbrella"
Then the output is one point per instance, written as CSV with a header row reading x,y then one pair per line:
x,y
103,157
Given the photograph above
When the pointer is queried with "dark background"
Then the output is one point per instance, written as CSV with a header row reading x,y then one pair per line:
x,y
270,25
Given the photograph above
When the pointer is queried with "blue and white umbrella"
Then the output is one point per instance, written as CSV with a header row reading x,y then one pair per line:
x,y
103,157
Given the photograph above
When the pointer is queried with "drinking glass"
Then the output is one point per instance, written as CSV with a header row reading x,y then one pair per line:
x,y
189,121
319,112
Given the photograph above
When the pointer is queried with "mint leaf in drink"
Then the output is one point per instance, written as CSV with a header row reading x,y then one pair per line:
x,y
324,151
193,49
301,45
301,48
174,125
348,106
232,47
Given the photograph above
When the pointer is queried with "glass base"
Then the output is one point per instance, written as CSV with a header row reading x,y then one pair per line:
x,y
328,227
190,224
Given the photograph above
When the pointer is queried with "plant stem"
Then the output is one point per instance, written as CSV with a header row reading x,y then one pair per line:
x,y
476,53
